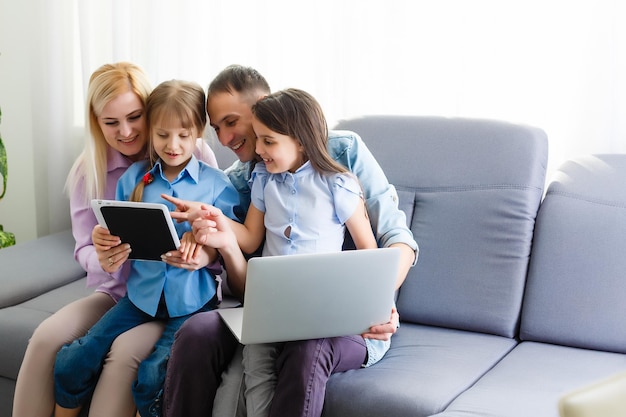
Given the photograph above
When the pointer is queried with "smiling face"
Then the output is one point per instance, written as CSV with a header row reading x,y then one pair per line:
x,y
231,117
280,153
174,144
123,124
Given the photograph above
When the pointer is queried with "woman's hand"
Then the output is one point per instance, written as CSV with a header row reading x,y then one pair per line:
x,y
384,331
112,253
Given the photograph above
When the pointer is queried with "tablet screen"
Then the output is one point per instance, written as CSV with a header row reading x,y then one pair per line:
x,y
147,228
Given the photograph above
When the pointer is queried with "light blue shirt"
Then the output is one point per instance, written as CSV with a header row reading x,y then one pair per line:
x,y
381,200
310,207
185,291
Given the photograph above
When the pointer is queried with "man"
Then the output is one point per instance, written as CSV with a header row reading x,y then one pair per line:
x,y
204,346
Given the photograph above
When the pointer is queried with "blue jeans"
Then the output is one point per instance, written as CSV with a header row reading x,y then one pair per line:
x,y
78,364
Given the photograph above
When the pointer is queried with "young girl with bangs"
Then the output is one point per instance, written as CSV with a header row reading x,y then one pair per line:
x,y
302,201
157,291
116,136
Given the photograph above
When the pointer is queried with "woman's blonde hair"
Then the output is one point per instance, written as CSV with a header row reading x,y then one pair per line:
x,y
105,84
174,100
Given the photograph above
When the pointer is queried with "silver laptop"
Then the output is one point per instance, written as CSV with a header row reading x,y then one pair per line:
x,y
312,296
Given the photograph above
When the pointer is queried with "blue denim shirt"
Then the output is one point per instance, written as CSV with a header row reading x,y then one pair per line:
x,y
381,199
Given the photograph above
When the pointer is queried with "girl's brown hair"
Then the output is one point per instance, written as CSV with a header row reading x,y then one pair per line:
x,y
174,100
297,114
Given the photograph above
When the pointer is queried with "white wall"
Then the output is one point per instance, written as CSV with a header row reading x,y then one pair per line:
x,y
34,204
18,207
556,64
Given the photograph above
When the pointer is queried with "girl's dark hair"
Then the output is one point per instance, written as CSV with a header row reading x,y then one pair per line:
x,y
174,100
297,114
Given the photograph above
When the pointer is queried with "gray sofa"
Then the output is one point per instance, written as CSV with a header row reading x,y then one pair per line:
x,y
517,297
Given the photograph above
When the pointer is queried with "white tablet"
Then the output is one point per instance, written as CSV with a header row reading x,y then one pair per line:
x,y
147,227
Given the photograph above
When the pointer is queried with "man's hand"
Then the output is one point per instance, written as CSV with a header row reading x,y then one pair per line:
x,y
384,331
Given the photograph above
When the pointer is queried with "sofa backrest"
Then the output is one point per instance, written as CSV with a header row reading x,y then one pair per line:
x,y
471,189
576,290
32,268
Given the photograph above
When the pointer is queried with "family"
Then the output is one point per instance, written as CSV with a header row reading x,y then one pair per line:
x,y
148,342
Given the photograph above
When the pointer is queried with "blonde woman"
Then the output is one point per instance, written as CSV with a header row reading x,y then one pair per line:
x,y
157,292
116,137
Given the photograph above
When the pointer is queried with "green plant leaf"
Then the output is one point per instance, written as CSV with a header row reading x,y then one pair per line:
x,y
4,169
6,239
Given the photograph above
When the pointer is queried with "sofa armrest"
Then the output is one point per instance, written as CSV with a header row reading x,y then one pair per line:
x,y
606,398
32,268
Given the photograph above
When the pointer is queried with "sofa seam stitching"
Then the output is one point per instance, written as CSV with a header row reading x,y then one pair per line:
x,y
580,197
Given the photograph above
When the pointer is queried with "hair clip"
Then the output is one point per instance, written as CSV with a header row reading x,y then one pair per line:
x,y
148,178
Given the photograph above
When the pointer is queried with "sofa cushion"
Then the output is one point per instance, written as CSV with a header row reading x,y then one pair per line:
x,y
425,369
576,285
477,185
37,266
53,300
19,323
530,380
21,320
7,389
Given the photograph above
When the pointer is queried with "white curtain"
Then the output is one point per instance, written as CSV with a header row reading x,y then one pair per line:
x,y
558,65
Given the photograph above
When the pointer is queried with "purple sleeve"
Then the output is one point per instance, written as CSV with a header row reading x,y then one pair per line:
x,y
83,222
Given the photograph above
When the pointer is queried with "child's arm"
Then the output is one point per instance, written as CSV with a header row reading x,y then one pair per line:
x,y
360,228
250,234
218,233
